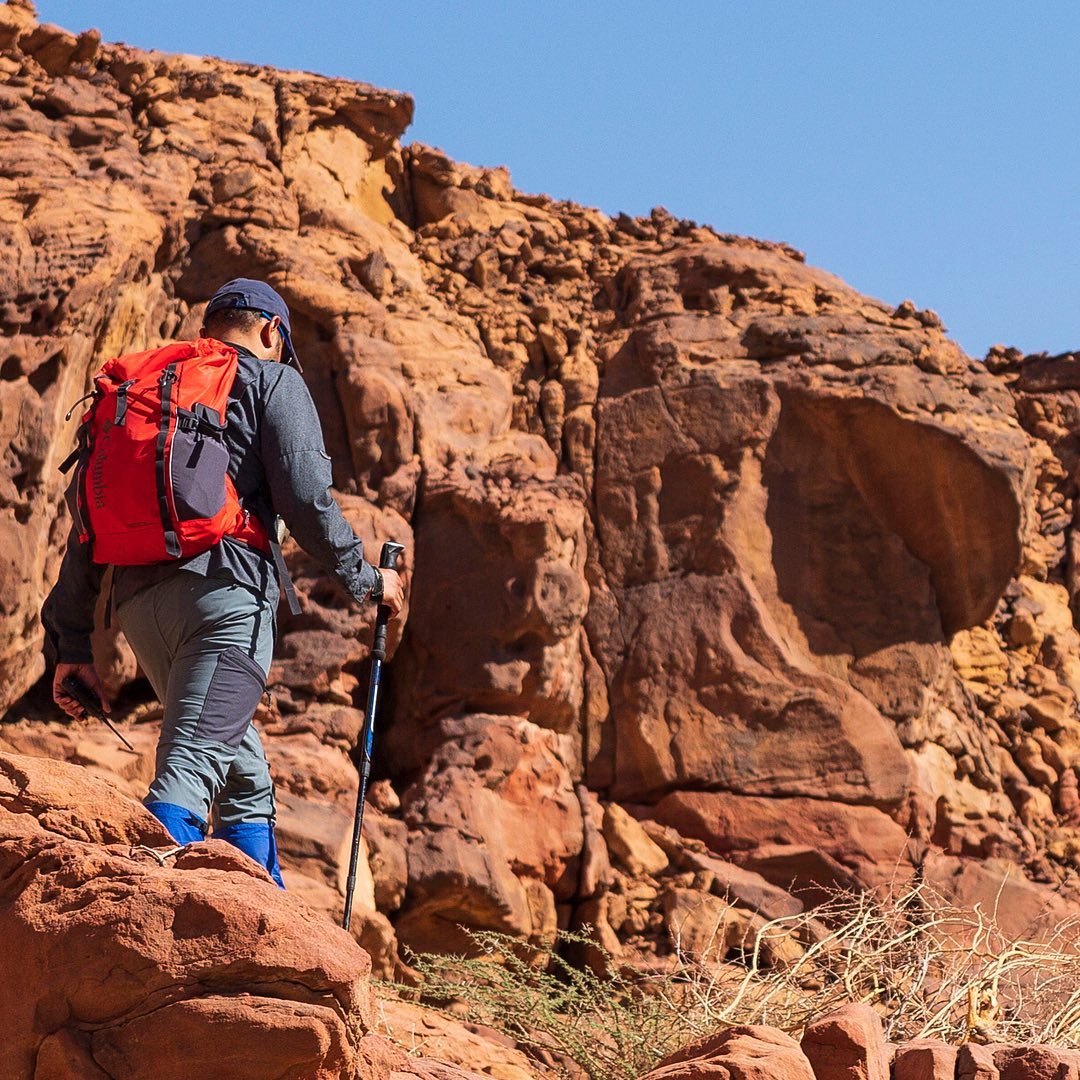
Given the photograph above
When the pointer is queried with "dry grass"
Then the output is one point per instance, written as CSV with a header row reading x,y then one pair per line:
x,y
930,969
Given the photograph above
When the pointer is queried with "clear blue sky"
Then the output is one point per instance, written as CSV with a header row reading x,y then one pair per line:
x,y
927,149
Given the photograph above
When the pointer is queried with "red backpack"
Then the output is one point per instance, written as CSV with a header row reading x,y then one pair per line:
x,y
153,480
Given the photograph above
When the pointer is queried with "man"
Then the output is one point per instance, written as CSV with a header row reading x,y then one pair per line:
x,y
202,627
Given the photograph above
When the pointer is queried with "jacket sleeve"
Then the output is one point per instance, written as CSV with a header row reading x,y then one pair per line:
x,y
298,476
68,612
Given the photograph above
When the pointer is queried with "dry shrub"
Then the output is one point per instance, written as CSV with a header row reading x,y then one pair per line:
x,y
929,968
611,1026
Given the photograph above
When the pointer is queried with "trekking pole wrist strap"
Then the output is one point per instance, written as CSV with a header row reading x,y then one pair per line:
x,y
378,588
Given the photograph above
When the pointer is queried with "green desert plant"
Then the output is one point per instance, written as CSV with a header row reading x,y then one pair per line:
x,y
929,968
609,1025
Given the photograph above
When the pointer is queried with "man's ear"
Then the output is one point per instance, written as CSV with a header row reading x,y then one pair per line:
x,y
271,337
202,332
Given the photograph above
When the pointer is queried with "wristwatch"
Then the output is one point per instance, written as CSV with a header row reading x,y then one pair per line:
x,y
376,593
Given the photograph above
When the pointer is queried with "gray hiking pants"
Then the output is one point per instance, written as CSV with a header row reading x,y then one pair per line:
x,y
206,645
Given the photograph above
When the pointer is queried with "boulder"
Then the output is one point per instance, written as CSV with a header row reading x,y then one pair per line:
x,y
471,1047
975,1062
847,1045
924,1059
707,930
228,1037
1022,909
872,847
140,952
495,834
745,1052
1035,1062
630,844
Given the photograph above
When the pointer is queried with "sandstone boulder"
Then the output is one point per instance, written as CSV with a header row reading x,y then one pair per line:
x,y
1035,1062
1022,909
975,1062
139,952
740,1053
925,1059
630,844
847,1045
468,1046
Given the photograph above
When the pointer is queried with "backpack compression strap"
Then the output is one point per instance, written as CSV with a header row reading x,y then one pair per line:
x,y
172,542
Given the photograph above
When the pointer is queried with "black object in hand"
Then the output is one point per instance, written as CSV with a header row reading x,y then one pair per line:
x,y
74,687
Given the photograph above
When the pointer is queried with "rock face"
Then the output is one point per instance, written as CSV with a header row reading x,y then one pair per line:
x,y
694,529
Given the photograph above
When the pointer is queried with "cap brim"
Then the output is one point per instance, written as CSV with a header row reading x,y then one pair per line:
x,y
291,358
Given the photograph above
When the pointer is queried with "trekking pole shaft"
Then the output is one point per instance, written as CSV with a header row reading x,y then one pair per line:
x,y
387,561
367,739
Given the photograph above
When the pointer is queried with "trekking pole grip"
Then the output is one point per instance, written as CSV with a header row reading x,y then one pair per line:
x,y
391,552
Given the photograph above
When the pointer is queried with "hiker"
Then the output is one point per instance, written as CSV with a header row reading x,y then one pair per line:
x,y
202,625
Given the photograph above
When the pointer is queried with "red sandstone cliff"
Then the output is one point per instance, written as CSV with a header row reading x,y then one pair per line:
x,y
695,530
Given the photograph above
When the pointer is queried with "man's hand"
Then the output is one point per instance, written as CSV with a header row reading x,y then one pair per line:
x,y
393,592
89,677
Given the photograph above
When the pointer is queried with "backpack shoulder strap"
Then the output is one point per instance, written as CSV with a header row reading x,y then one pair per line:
x,y
269,520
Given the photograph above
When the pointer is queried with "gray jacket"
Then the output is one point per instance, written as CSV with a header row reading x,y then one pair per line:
x,y
279,465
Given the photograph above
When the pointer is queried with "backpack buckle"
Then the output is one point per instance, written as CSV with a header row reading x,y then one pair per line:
x,y
122,402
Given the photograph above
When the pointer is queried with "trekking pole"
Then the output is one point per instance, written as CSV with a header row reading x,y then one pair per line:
x,y
387,561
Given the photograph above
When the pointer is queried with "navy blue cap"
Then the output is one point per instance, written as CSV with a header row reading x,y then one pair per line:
x,y
256,296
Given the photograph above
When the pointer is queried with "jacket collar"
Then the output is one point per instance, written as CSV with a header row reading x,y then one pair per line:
x,y
243,350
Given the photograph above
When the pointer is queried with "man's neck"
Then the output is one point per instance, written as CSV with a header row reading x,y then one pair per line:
x,y
243,350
